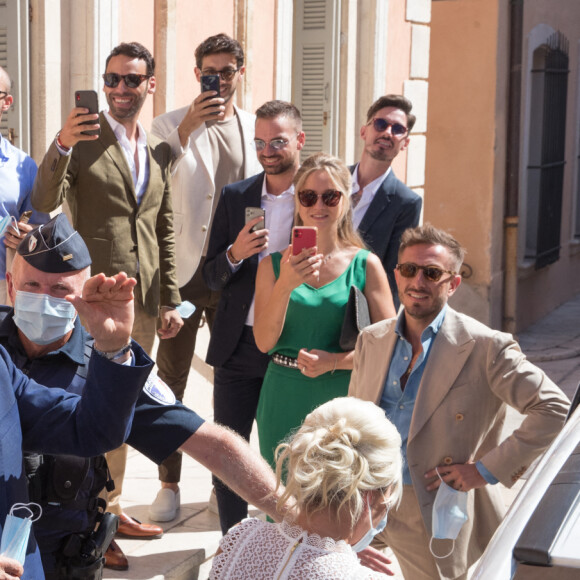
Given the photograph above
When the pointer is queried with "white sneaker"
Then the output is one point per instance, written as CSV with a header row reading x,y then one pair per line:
x,y
165,506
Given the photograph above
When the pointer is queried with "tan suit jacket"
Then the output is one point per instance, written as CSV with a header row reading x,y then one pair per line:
x,y
121,235
471,375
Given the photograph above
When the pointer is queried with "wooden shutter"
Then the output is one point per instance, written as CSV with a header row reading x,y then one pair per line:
x,y
316,72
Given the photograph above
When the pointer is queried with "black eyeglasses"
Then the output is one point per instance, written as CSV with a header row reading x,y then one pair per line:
x,y
132,81
308,197
227,74
432,273
381,125
3,94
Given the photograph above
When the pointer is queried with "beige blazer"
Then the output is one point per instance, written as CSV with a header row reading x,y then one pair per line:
x,y
472,374
121,235
193,186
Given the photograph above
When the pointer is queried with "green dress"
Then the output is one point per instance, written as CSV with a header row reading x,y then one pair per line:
x,y
313,320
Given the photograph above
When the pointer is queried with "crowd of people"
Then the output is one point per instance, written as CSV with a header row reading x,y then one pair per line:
x,y
203,209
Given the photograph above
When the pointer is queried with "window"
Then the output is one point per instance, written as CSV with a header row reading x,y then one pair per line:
x,y
546,150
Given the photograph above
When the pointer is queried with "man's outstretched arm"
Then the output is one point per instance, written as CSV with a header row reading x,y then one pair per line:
x,y
229,456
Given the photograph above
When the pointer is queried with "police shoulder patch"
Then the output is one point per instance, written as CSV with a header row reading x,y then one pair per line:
x,y
159,391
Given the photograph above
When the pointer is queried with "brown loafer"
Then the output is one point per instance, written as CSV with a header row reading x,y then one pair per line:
x,y
131,528
114,557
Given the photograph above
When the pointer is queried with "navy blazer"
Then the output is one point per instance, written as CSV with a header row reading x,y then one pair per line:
x,y
237,288
394,208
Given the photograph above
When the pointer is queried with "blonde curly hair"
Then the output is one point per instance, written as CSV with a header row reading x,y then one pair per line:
x,y
344,447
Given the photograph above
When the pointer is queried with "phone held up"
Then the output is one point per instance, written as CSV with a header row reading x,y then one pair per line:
x,y
254,212
89,100
303,237
210,83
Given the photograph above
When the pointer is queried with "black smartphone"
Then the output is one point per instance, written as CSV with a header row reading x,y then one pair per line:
x,y
254,212
210,83
90,101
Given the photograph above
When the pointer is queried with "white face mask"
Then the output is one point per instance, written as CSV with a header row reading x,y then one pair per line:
x,y
366,540
42,318
16,532
449,515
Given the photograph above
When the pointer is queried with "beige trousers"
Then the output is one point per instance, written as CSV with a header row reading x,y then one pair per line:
x,y
144,333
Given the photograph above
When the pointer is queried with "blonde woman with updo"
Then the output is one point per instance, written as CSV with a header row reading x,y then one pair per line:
x,y
301,302
344,473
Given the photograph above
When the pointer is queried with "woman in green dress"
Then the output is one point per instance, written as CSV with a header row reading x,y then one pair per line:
x,y
301,301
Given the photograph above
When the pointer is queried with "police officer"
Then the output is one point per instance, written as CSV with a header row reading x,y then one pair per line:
x,y
57,353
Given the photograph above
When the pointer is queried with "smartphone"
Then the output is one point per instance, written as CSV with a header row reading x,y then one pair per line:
x,y
254,212
210,83
25,216
90,101
303,237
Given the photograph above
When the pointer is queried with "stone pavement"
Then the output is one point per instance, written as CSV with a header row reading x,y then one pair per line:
x,y
185,551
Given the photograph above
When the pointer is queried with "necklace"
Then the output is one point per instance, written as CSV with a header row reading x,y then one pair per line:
x,y
326,259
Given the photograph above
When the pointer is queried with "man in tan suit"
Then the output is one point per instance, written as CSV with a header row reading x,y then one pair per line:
x,y
445,380
117,185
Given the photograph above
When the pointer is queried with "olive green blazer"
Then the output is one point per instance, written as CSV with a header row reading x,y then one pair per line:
x,y
121,235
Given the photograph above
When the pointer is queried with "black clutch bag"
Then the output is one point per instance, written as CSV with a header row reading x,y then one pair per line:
x,y
356,317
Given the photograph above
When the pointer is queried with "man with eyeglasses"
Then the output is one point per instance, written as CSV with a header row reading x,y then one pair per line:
x,y
212,144
17,173
235,249
117,185
383,206
445,380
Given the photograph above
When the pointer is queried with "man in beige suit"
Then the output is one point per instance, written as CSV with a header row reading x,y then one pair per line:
x,y
445,380
117,185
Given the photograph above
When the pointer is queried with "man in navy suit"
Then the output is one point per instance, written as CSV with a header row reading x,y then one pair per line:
x,y
383,206
232,262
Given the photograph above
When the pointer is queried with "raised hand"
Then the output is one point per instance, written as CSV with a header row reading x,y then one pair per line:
x,y
72,132
106,308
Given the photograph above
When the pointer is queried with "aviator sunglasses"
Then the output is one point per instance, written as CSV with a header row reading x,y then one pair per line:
x,y
132,81
308,197
432,273
227,74
381,125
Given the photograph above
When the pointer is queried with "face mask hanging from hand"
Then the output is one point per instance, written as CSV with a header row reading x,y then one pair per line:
x,y
449,515
16,532
42,318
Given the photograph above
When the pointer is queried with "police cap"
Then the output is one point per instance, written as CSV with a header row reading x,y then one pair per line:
x,y
55,247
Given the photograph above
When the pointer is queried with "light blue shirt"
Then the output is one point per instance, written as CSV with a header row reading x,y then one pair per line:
x,y
398,404
17,173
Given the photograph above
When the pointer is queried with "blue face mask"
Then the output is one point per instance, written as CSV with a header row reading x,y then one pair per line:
x,y
449,515
366,540
16,532
7,221
42,318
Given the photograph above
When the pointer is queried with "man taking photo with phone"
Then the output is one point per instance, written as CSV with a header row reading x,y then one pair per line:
x,y
212,145
232,262
118,188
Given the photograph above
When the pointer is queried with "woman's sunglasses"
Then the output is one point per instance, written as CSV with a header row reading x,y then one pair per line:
x,y
432,273
132,81
308,197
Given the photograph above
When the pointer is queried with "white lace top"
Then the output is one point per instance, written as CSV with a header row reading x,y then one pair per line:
x,y
257,550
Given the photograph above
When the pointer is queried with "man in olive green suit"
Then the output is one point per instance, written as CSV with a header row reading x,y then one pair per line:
x,y
117,185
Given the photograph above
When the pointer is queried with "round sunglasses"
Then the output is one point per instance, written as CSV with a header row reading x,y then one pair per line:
x,y
381,125
432,273
132,81
308,197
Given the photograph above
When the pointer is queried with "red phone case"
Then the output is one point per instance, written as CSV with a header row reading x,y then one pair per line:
x,y
303,237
